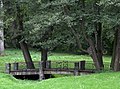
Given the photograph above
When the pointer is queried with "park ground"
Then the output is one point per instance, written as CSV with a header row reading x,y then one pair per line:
x,y
104,80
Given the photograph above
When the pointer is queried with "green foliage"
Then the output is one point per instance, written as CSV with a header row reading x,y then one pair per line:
x,y
52,13
39,15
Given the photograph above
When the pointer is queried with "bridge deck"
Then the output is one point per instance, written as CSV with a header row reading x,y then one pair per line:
x,y
49,71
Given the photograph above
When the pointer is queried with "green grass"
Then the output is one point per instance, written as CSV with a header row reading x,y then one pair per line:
x,y
14,55
94,81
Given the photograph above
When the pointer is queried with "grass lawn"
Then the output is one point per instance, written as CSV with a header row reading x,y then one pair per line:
x,y
108,80
94,81
14,55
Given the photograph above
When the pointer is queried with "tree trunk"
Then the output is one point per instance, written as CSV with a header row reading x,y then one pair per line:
x,y
92,52
95,54
117,51
23,45
44,56
114,50
27,57
1,31
98,35
99,43
92,49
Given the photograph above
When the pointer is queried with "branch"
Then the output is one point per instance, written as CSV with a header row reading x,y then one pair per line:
x,y
76,35
77,40
47,34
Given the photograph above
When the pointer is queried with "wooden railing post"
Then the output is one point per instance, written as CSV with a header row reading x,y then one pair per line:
x,y
15,66
8,68
82,65
76,67
41,73
48,64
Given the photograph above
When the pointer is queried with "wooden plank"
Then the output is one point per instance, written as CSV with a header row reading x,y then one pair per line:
x,y
75,72
24,73
58,72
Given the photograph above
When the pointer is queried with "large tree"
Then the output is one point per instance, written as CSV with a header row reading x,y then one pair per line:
x,y
111,20
14,21
73,17
23,44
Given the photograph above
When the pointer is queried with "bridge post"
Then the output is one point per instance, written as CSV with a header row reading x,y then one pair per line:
x,y
48,64
15,66
41,73
8,68
76,67
82,65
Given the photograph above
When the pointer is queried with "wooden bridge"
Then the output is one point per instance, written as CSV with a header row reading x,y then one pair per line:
x,y
50,67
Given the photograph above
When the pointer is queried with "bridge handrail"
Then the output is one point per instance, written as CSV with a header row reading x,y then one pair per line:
x,y
61,64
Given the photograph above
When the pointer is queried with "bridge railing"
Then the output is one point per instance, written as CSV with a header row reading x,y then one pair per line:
x,y
79,65
19,66
65,64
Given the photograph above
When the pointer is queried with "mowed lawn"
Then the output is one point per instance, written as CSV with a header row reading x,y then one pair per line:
x,y
94,81
15,55
108,80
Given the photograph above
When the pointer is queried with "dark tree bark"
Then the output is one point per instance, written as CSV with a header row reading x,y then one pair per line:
x,y
27,57
116,53
44,56
98,37
94,52
23,45
98,34
76,35
114,50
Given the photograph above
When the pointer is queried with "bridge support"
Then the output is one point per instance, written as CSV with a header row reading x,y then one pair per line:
x,y
82,65
15,66
48,64
41,73
79,65
76,73
8,68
